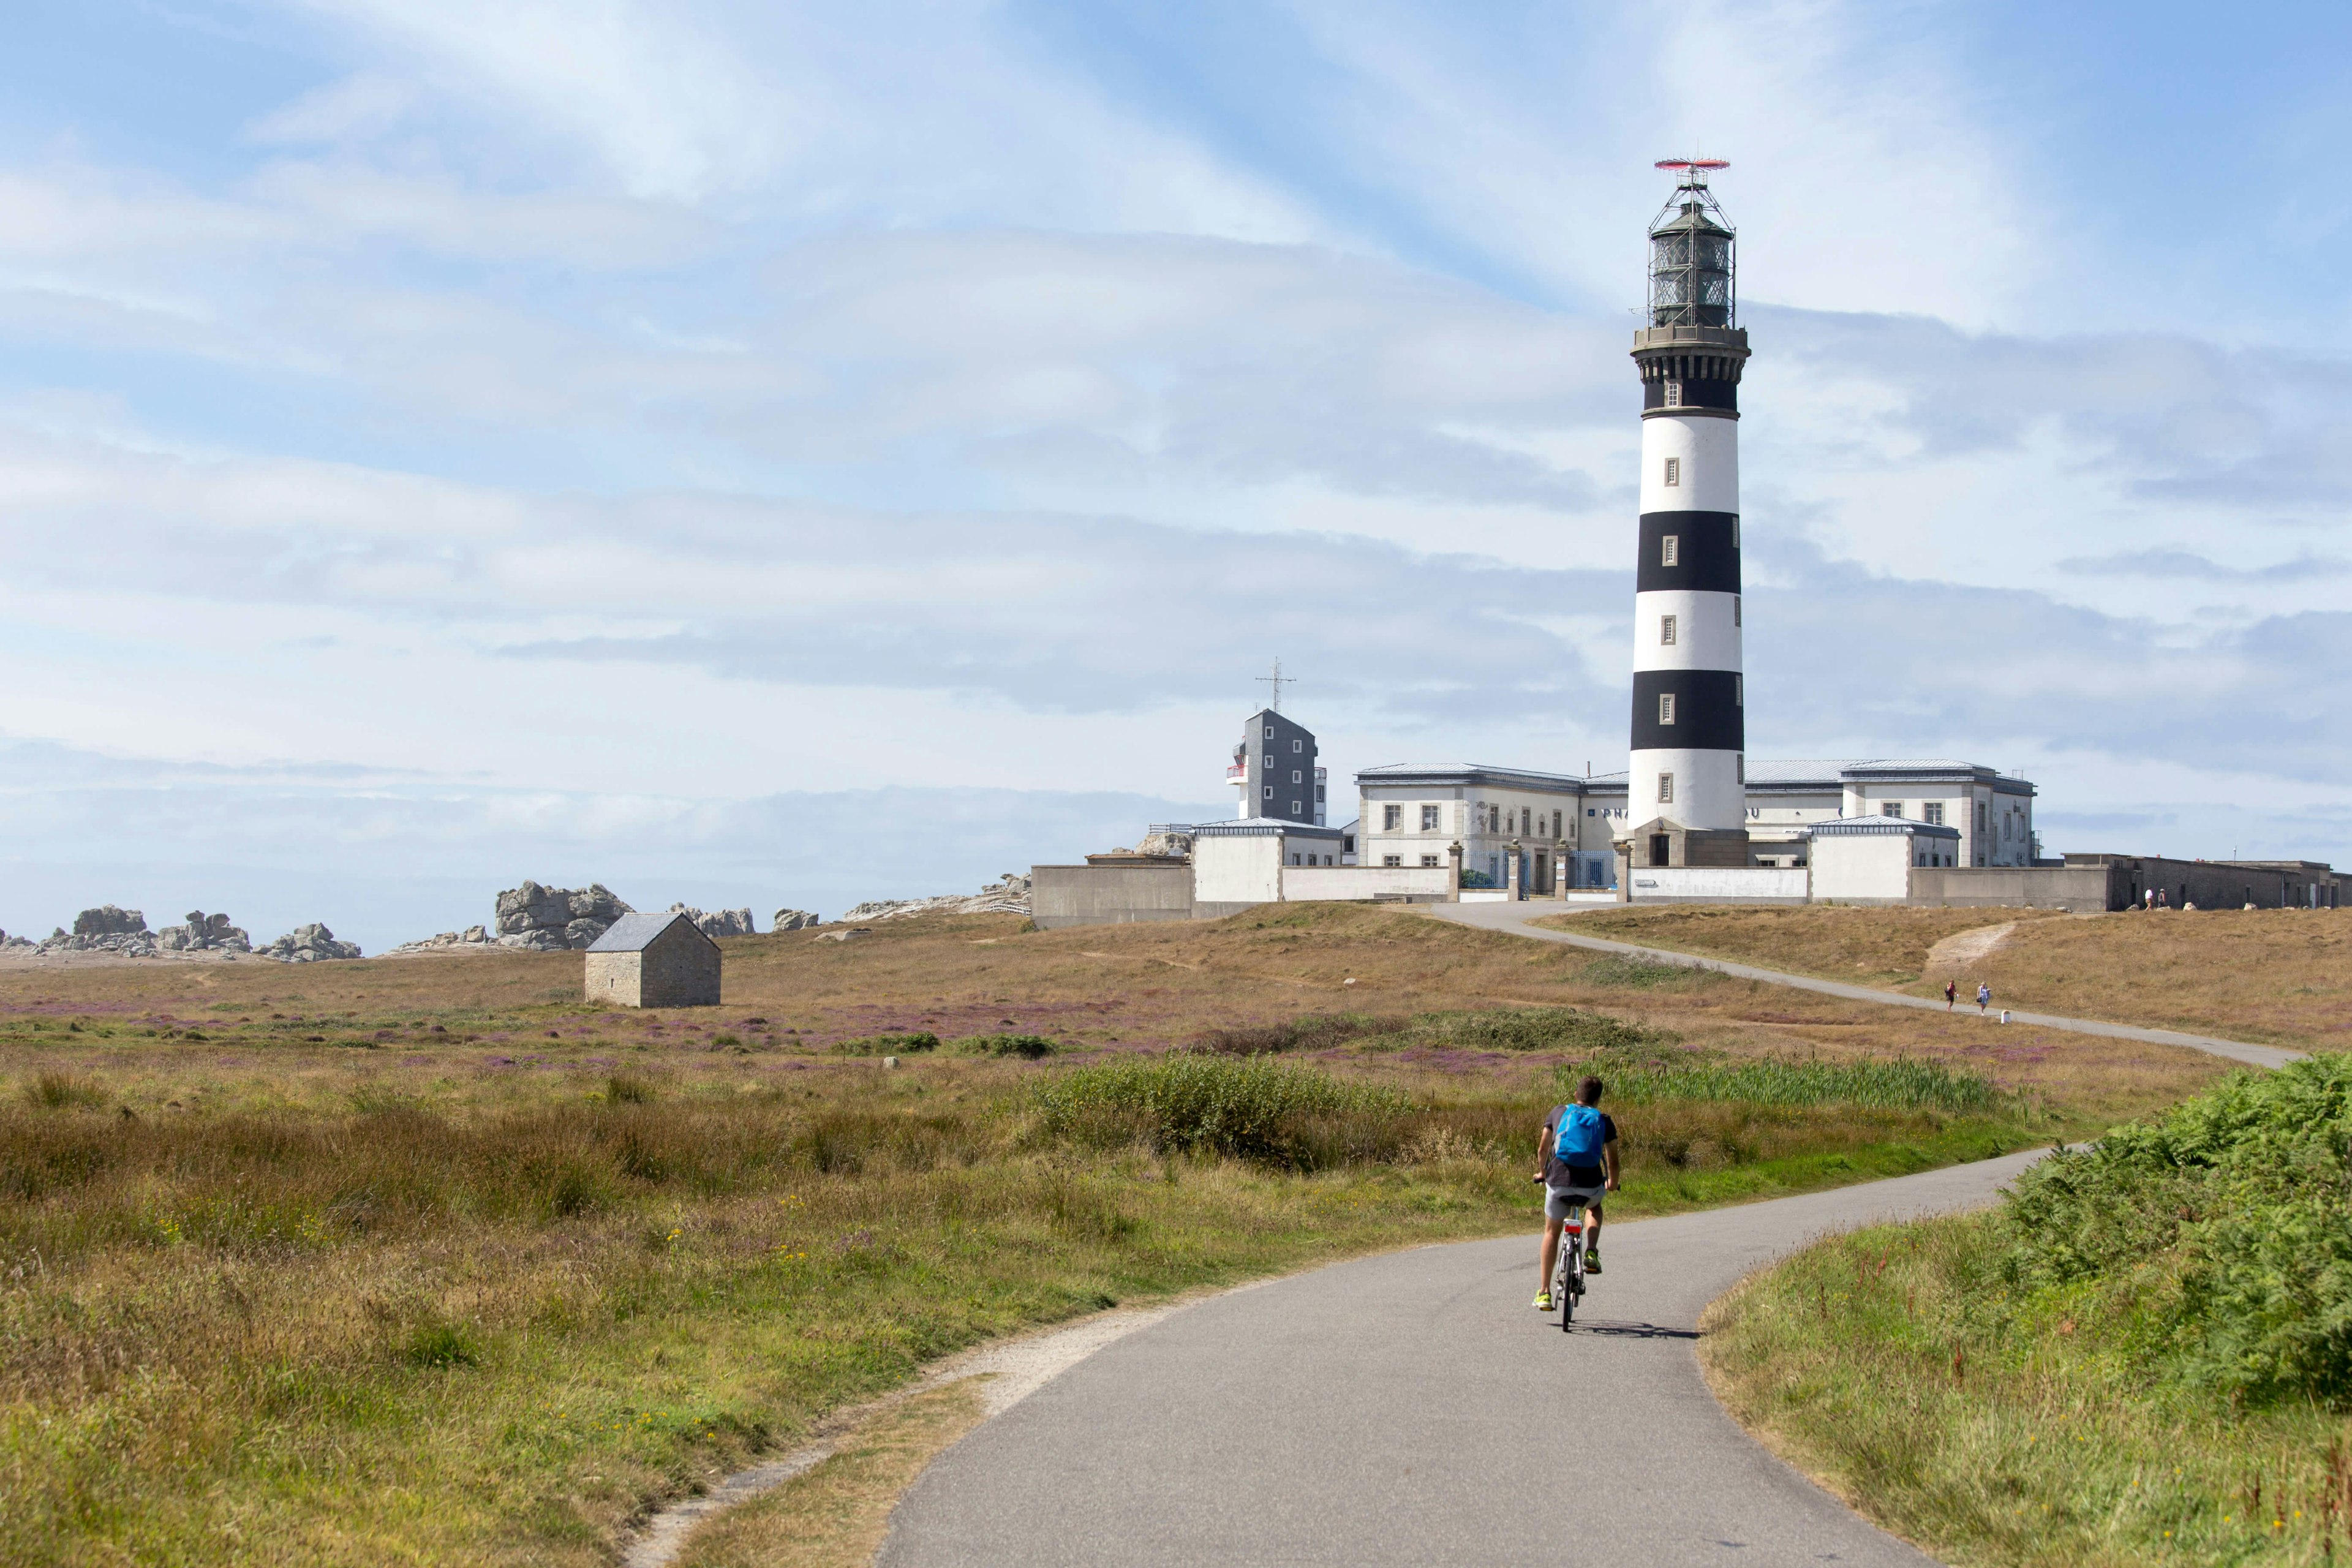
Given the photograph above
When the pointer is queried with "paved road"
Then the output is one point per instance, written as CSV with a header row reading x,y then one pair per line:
x,y
1513,917
1411,1409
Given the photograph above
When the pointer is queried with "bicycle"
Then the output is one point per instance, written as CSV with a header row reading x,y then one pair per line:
x,y
1568,1271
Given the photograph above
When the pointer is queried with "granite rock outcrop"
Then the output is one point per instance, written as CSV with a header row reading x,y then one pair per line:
x,y
309,945
723,922
796,920
203,933
1008,895
549,920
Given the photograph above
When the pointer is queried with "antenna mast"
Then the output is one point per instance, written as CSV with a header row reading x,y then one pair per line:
x,y
1278,680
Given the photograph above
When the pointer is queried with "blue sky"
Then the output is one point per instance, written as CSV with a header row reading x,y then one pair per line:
x,y
788,455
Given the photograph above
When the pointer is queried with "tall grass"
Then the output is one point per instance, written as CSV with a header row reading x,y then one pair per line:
x,y
1485,1029
1253,1109
1904,1084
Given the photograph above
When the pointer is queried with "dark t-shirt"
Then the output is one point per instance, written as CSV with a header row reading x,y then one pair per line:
x,y
1558,1174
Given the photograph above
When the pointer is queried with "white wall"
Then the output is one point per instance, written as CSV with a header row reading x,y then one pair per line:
x,y
1238,870
1708,447
1717,882
1862,865
1362,882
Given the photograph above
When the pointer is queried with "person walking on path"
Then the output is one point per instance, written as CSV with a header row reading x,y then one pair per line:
x,y
1984,997
1951,993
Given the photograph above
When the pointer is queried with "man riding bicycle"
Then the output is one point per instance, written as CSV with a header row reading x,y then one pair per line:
x,y
1579,1151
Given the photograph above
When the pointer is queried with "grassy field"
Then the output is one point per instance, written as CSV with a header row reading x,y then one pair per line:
x,y
424,1261
2273,977
2142,1357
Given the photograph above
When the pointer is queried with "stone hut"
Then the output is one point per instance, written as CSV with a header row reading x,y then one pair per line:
x,y
654,961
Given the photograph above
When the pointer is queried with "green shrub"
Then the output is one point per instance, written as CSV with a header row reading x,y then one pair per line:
x,y
1253,1109
57,1091
1638,974
1538,1029
628,1089
2222,1224
1315,1032
886,1044
439,1343
1904,1084
1028,1046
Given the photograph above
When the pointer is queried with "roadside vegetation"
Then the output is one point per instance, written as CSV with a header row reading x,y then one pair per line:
x,y
2144,1355
422,1259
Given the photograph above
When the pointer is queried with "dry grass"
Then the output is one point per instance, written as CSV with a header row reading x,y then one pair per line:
x,y
424,1260
2273,976
836,1515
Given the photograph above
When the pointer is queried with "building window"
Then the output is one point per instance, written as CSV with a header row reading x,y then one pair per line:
x,y
1674,470
1391,859
1269,762
1674,395
1295,808
1981,817
1526,825
1269,792
1297,745
1429,819
1493,820
1740,769
1735,533
1296,777
1294,857
1934,812
1321,795
1891,808
1665,707
1665,631
1391,818
1666,789
1429,859
1555,824
1347,844
1739,691
1269,732
1670,549
1735,609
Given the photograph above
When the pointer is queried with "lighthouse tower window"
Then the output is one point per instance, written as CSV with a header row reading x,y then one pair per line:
x,y
1670,549
1665,707
1674,398
1665,631
1674,470
1666,789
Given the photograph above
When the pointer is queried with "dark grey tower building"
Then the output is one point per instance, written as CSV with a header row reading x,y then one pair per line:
x,y
1689,775
1274,766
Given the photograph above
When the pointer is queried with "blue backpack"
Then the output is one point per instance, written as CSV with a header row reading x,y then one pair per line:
x,y
1579,1136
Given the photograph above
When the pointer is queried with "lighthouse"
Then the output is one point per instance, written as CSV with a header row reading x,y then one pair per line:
x,y
1687,781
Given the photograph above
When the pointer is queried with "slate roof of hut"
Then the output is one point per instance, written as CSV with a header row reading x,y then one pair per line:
x,y
635,933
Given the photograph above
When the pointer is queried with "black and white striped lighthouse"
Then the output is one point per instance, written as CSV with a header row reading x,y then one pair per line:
x,y
1688,774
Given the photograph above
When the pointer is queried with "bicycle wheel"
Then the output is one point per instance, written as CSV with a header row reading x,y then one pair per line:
x,y
1567,1292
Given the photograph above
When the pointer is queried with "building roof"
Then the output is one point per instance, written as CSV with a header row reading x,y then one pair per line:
x,y
1851,827
1264,826
1468,773
635,933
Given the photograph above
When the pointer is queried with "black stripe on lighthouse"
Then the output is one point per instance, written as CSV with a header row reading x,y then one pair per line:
x,y
1707,714
1704,558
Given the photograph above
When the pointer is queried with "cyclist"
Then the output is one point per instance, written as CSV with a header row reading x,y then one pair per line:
x,y
1588,1170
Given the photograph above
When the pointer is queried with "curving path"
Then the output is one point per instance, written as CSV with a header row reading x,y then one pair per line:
x,y
1514,918
1410,1409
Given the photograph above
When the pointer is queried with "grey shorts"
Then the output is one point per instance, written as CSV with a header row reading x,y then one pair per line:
x,y
1557,1199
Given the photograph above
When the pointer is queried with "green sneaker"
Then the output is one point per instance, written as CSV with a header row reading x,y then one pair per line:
x,y
1543,1302
1593,1262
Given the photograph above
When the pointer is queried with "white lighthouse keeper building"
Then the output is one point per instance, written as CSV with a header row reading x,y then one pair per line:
x,y
1686,787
